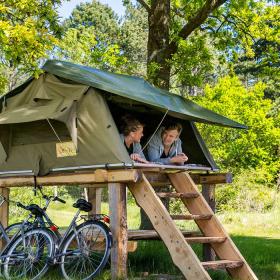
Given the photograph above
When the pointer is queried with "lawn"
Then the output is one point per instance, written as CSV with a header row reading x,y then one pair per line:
x,y
257,235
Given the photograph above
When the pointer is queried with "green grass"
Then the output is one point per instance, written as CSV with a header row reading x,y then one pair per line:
x,y
257,235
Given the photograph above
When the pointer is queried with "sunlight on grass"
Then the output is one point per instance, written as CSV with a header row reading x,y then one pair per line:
x,y
257,235
253,224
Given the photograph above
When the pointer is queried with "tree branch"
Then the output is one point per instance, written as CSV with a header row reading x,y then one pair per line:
x,y
195,22
145,5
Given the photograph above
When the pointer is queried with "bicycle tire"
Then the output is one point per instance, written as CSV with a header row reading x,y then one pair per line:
x,y
85,253
12,229
30,261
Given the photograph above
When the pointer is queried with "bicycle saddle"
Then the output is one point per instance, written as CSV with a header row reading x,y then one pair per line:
x,y
83,205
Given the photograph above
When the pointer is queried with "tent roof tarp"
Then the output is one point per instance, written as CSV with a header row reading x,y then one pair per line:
x,y
137,89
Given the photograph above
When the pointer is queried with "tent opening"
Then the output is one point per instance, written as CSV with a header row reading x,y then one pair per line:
x,y
192,142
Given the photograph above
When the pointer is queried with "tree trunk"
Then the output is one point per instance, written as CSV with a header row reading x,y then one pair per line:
x,y
158,68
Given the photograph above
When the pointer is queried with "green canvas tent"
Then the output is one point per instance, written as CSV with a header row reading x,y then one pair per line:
x,y
73,107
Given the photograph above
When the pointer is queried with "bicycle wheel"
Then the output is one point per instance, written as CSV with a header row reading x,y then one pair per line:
x,y
86,252
28,256
13,229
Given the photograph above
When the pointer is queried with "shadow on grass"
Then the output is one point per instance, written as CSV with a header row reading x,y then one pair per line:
x,y
262,254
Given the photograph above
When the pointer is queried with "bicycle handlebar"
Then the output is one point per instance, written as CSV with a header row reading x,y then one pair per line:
x,y
19,204
49,198
56,198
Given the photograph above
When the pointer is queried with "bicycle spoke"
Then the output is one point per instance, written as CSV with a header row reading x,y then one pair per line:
x,y
91,246
36,246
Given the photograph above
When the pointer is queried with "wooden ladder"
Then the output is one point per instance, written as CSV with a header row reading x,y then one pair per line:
x,y
213,232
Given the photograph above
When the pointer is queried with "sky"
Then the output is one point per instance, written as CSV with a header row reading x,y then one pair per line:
x,y
68,6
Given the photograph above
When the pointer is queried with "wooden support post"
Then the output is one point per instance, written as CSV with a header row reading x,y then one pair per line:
x,y
94,196
118,225
4,211
208,192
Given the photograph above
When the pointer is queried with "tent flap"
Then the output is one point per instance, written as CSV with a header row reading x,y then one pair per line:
x,y
3,154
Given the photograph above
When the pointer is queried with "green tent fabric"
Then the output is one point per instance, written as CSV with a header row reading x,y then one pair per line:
x,y
139,90
133,88
75,104
33,136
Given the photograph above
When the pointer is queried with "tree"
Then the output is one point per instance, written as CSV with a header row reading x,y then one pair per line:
x,y
133,39
27,33
91,38
80,45
264,66
96,36
235,149
231,26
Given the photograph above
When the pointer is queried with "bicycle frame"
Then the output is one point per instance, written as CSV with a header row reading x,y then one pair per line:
x,y
73,227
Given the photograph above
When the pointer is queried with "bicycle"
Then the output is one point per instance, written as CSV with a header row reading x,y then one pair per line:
x,y
33,247
37,217
81,253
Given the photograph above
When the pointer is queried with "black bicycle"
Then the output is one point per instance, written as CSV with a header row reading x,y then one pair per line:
x,y
37,217
26,254
81,253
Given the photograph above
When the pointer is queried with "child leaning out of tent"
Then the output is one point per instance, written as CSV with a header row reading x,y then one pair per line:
x,y
131,134
165,147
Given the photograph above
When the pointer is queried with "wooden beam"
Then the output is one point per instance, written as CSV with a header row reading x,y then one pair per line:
x,y
4,212
161,179
222,264
94,196
181,252
203,239
191,217
153,235
4,209
118,226
177,195
97,176
215,178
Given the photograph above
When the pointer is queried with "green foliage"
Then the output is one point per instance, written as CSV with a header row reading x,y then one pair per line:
x,y
27,33
80,46
193,61
91,38
235,149
133,38
27,30
249,192
229,31
95,36
25,195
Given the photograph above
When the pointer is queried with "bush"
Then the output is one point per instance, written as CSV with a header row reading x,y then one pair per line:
x,y
251,190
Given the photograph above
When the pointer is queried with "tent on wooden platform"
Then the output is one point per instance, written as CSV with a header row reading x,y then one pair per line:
x,y
68,118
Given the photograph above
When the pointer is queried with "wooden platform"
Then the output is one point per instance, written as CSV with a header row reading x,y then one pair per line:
x,y
141,180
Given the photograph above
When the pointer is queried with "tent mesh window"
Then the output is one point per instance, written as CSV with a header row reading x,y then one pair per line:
x,y
39,132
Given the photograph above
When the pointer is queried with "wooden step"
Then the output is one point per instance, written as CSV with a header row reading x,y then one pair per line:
x,y
222,264
205,239
178,195
153,235
192,217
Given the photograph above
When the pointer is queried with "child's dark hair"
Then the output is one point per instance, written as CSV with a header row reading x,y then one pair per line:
x,y
129,124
